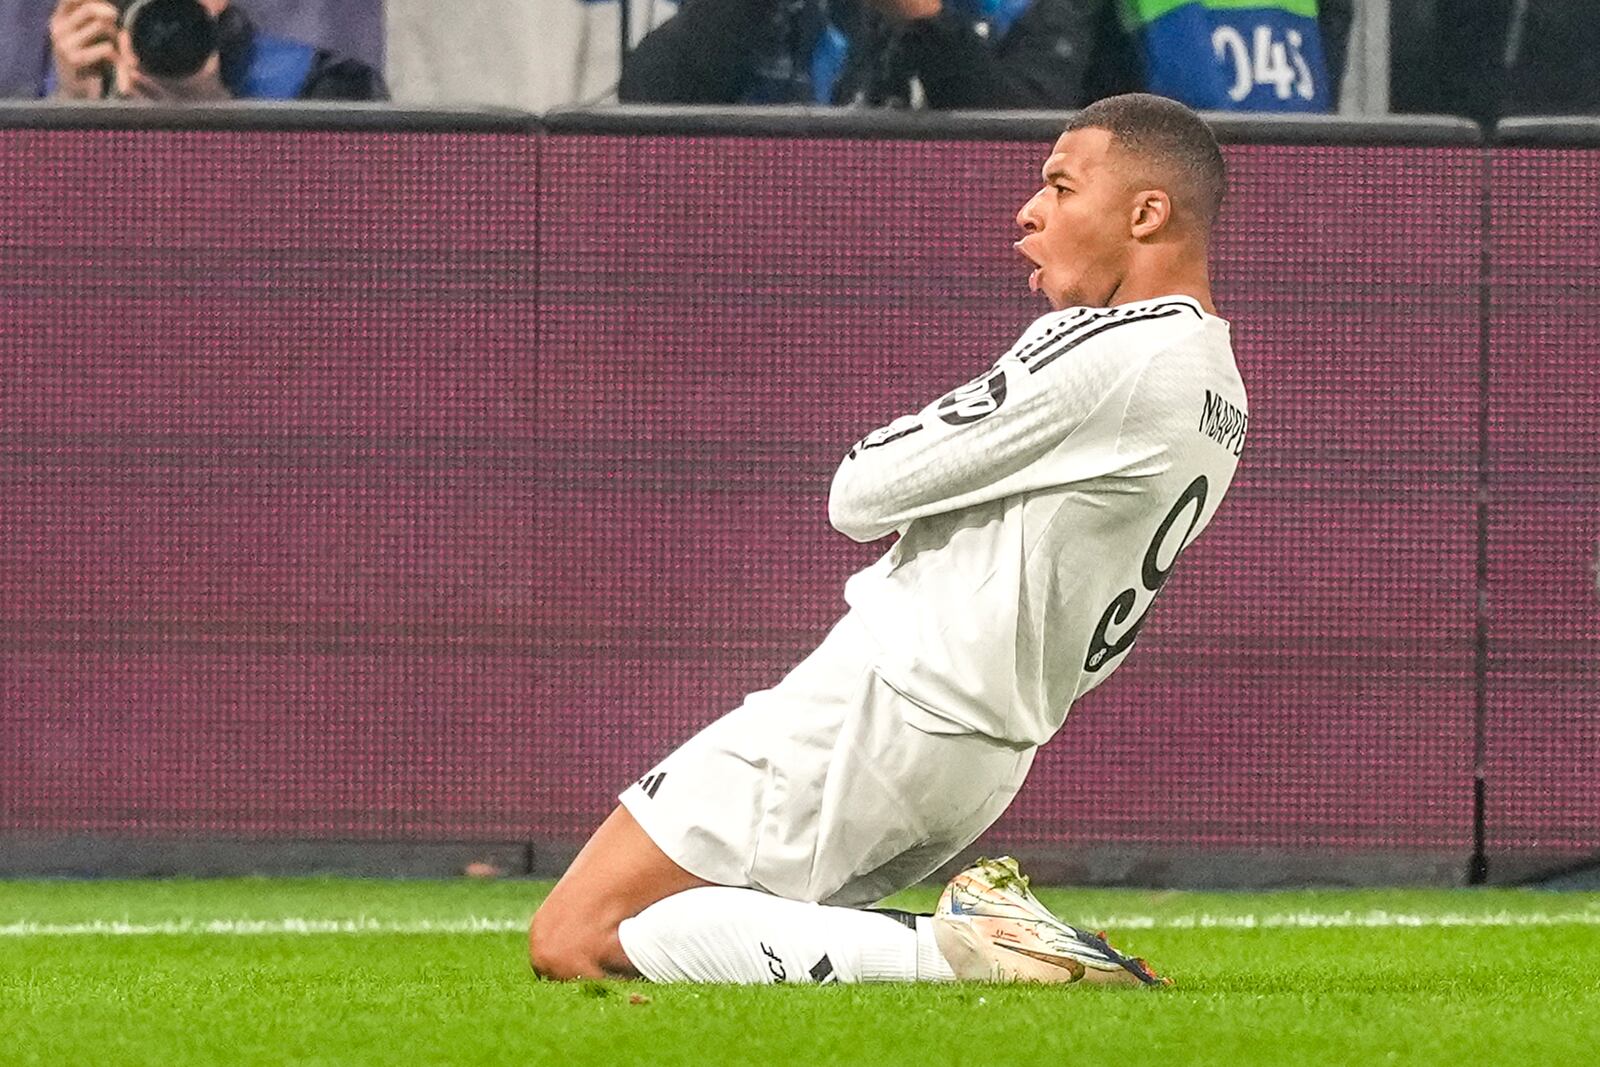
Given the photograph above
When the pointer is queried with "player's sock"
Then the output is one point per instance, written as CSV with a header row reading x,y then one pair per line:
x,y
721,934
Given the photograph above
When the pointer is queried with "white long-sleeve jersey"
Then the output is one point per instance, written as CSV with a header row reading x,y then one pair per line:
x,y
1040,509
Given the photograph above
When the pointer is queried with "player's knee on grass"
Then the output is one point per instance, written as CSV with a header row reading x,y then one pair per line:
x,y
563,946
617,874
552,952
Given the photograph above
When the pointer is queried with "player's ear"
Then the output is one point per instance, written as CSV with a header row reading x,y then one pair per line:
x,y
1152,209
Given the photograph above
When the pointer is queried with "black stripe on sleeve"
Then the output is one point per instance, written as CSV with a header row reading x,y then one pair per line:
x,y
1160,311
880,442
1058,333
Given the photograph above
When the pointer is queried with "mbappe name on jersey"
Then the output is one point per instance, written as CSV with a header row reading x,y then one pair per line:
x,y
1224,423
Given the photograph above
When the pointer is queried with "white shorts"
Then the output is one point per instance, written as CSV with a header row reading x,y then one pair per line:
x,y
819,789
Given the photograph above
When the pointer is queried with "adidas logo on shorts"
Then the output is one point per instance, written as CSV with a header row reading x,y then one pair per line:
x,y
651,782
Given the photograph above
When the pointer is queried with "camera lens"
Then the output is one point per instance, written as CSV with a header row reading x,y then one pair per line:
x,y
170,38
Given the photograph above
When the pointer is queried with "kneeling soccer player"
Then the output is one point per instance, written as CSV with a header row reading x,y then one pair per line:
x,y
1040,509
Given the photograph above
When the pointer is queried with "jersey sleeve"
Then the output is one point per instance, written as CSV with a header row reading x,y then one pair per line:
x,y
1023,425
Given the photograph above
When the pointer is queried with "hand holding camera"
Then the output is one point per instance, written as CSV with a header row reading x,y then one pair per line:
x,y
908,10
162,50
83,44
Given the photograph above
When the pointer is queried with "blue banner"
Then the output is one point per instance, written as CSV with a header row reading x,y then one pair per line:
x,y
1228,58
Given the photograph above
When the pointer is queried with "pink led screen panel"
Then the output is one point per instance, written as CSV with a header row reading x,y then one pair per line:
x,y
722,317
442,491
1542,735
267,428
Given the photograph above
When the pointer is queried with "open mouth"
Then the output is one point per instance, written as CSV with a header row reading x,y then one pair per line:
x,y
1038,271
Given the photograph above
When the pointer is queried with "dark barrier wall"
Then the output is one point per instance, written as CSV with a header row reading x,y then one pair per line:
x,y
431,485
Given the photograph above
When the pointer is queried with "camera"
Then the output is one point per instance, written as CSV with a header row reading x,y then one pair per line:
x,y
170,38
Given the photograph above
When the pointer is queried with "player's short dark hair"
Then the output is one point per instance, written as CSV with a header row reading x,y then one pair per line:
x,y
1170,135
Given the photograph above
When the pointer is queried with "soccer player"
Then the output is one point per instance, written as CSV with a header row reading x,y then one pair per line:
x,y
1040,509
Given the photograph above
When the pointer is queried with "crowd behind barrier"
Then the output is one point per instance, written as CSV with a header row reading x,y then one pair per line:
x,y
1468,57
373,474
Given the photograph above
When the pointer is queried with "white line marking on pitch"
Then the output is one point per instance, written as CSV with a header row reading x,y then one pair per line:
x,y
256,927
482,925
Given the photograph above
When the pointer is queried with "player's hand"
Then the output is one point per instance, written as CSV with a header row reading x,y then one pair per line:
x,y
83,43
908,10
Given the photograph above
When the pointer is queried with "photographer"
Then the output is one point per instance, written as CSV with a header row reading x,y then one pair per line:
x,y
178,51
967,53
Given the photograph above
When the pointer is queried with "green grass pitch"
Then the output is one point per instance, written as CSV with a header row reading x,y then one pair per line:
x,y
357,972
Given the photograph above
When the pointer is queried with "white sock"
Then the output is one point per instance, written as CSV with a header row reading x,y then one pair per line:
x,y
721,934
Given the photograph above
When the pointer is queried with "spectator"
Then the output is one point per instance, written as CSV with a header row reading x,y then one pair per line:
x,y
961,53
966,53
1490,58
1552,58
93,56
1267,55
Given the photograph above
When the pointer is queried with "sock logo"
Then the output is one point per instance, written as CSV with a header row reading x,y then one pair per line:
x,y
651,782
822,971
774,964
